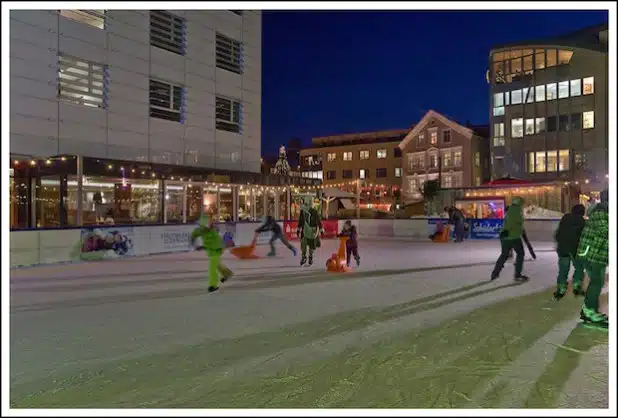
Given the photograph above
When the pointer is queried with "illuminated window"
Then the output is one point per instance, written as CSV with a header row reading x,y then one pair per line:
x,y
228,114
564,57
576,88
498,99
564,160
448,182
551,58
381,153
552,91
397,171
531,162
528,64
539,125
420,140
94,18
528,95
434,137
588,85
499,135
477,159
446,159
364,155
332,156
507,98
539,59
517,128
347,156
457,158
563,89
516,97
540,93
82,82
588,118
498,111
529,126
539,166
362,174
167,31
433,161
552,161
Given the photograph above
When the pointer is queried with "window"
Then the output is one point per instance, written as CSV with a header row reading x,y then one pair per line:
x,y
551,58
552,91
588,85
331,175
332,156
539,125
498,111
82,82
433,161
581,160
229,54
166,101
507,98
380,172
498,99
434,137
528,94
413,186
517,128
539,59
564,57
347,174
477,159
381,153
420,140
540,93
552,161
529,126
516,97
364,155
539,167
94,18
531,162
576,122
563,160
588,119
563,123
228,115
563,89
528,64
167,31
347,156
576,88
446,159
552,124
448,182
397,171
498,130
417,161
397,152
446,137
457,158
362,174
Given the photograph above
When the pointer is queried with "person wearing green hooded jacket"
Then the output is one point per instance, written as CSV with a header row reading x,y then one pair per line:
x,y
213,244
510,239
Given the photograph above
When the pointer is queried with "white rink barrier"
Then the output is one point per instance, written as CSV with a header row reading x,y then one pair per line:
x,y
34,247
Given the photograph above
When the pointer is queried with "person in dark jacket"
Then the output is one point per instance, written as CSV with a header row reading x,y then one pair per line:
x,y
567,239
510,239
271,225
351,245
457,218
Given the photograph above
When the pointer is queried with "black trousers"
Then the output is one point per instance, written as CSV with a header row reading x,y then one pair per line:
x,y
508,245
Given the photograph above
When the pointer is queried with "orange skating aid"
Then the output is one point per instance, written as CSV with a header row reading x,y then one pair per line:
x,y
246,252
444,235
337,261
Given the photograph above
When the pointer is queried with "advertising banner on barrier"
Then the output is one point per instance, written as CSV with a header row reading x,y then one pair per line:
x,y
105,243
289,229
330,226
485,228
432,224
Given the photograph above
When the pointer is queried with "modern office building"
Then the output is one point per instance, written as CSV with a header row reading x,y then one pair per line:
x,y
438,148
549,108
371,157
140,99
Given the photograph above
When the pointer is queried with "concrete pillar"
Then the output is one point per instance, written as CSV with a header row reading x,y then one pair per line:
x,y
80,191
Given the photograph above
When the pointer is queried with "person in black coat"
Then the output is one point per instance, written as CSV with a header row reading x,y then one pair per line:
x,y
271,225
567,239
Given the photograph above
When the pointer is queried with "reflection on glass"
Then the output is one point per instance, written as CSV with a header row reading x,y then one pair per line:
x,y
194,202
283,204
174,196
226,204
552,161
244,203
270,203
210,201
259,203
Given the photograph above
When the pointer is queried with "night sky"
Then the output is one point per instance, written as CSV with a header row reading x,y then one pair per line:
x,y
335,72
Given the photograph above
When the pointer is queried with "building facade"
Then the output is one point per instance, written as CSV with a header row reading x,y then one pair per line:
x,y
441,149
373,158
549,108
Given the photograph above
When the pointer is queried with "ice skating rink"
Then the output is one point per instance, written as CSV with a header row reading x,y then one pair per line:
x,y
418,325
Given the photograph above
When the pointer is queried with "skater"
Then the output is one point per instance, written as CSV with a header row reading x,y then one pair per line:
x,y
457,218
510,239
213,245
309,229
593,251
271,225
351,245
567,239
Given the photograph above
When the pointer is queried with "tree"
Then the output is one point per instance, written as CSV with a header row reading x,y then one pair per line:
x,y
430,191
282,167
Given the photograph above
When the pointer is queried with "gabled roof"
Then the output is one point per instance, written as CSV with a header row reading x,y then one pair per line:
x,y
467,132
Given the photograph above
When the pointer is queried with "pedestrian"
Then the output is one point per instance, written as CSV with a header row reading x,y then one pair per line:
x,y
510,239
271,225
567,239
593,250
351,245
458,220
213,244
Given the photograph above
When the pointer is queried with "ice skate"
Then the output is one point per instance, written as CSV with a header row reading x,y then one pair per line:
x,y
226,277
357,261
559,293
578,291
213,289
310,260
271,254
593,318
303,260
522,278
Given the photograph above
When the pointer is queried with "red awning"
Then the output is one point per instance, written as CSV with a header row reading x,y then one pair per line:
x,y
508,182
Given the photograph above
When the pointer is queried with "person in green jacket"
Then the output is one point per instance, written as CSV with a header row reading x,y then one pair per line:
x,y
593,250
567,240
510,239
309,228
213,244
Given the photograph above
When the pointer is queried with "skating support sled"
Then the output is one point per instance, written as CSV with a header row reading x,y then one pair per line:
x,y
246,252
337,261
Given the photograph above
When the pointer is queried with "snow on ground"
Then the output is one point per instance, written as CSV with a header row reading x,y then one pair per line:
x,y
417,325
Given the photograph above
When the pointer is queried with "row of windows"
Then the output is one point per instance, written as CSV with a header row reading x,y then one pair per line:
x,y
548,161
433,138
86,83
417,162
535,126
415,185
169,32
509,66
362,154
551,91
363,173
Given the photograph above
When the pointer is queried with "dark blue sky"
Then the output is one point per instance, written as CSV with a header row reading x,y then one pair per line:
x,y
334,72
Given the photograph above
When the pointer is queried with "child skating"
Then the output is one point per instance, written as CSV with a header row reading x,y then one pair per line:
x,y
213,244
351,245
271,225
567,239
309,228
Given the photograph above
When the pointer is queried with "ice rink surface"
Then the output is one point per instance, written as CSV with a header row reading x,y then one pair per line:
x,y
418,325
